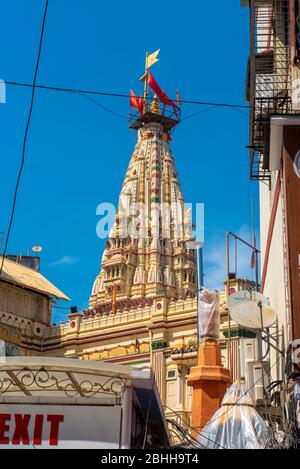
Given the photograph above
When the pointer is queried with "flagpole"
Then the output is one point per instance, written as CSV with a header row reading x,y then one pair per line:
x,y
146,82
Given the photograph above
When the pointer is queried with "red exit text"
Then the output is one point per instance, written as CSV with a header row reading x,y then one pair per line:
x,y
29,429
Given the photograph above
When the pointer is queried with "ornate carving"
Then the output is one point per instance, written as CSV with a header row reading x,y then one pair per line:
x,y
10,334
29,381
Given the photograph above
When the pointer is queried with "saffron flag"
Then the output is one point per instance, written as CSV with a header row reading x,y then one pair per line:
x,y
160,93
136,102
152,58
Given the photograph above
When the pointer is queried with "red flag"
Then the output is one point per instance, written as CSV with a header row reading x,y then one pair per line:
x,y
253,256
178,98
137,103
160,93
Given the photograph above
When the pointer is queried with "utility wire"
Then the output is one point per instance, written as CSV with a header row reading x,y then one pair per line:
x,y
102,107
33,86
79,308
230,407
121,95
183,435
246,392
190,426
148,412
195,114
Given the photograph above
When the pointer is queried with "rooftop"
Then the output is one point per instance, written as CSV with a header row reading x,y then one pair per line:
x,y
25,277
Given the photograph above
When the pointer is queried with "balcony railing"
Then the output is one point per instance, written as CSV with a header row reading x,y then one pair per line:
x,y
168,117
269,78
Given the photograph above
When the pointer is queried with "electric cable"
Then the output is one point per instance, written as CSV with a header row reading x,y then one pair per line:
x,y
190,116
189,426
230,408
244,394
182,434
123,95
148,412
102,107
33,86
68,307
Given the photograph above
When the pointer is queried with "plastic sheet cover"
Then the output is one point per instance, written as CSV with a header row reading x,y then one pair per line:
x,y
236,425
209,316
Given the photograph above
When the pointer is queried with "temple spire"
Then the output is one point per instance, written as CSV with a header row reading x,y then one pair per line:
x,y
153,258
150,258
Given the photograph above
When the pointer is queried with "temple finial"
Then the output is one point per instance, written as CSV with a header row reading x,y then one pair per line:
x,y
154,107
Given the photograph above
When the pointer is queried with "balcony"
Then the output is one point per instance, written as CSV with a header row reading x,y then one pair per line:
x,y
269,78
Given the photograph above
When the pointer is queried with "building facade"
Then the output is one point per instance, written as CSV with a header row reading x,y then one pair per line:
x,y
273,91
26,299
143,303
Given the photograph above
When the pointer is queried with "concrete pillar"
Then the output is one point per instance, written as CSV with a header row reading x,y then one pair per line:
x,y
209,381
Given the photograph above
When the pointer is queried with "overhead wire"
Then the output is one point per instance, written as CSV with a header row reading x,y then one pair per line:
x,y
148,412
245,393
25,134
101,106
183,436
227,410
123,95
202,434
68,307
87,95
195,114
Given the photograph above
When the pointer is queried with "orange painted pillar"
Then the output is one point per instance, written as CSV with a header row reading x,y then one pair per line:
x,y
210,382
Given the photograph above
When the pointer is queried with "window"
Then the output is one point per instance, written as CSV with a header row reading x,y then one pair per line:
x,y
171,374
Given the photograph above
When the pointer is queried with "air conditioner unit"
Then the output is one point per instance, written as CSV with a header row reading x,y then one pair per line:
x,y
258,378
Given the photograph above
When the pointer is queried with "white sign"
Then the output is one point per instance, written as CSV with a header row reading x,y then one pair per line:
x,y
59,426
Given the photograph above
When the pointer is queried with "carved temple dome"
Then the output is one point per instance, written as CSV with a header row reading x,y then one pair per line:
x,y
153,260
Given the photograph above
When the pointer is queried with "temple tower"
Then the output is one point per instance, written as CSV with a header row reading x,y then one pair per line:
x,y
145,292
142,310
147,254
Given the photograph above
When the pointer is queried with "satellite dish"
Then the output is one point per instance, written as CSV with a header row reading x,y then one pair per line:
x,y
244,296
36,248
248,314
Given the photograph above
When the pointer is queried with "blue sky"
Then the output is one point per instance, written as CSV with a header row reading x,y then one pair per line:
x,y
77,154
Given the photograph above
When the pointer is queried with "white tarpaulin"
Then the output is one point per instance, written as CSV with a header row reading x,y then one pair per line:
x,y
236,425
